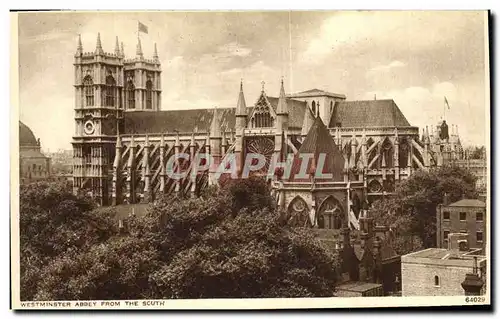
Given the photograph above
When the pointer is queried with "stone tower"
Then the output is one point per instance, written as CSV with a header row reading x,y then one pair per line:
x,y
106,85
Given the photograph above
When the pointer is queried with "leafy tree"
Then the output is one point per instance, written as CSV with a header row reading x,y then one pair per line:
x,y
413,208
53,221
230,242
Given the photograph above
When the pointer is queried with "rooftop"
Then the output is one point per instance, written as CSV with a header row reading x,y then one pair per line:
x,y
358,286
369,113
443,254
316,92
468,203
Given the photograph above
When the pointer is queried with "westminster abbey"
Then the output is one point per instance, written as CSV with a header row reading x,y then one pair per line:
x,y
122,140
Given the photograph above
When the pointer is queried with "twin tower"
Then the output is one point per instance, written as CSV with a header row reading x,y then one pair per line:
x,y
106,85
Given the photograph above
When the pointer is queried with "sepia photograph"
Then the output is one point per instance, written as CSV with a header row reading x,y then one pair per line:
x,y
250,159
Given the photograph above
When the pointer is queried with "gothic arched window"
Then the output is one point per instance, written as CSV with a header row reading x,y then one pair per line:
x,y
298,213
314,107
330,214
110,91
149,95
88,88
331,106
130,95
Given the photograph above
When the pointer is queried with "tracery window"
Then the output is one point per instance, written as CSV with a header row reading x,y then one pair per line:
x,y
149,95
298,213
130,95
110,91
88,88
330,214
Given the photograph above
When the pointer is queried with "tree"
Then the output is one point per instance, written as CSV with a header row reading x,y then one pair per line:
x,y
414,205
53,221
230,242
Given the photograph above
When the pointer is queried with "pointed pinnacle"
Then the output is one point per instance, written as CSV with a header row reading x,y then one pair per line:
x,y
117,47
155,54
79,48
138,51
98,46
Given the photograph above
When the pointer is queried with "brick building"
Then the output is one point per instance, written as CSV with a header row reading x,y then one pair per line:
x,y
467,216
440,272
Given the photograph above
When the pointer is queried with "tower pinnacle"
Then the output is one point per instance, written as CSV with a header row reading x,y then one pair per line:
x,y
241,107
138,51
79,48
117,47
282,106
155,54
98,47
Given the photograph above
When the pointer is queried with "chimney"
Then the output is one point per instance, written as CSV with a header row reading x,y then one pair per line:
x,y
473,284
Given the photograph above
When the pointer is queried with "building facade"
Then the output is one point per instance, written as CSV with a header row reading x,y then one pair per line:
x,y
33,164
467,216
441,272
123,141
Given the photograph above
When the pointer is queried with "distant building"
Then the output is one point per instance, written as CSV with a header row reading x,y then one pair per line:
x,y
439,271
33,164
467,216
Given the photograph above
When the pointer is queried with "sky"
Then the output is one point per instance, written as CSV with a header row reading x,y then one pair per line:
x,y
414,57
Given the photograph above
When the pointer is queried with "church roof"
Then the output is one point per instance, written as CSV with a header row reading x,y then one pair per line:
x,y
196,120
199,120
370,113
296,111
26,136
319,141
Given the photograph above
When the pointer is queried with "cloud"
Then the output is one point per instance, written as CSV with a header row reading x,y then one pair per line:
x,y
386,29
386,67
424,106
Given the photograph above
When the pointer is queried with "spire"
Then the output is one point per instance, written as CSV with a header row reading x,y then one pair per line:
x,y
241,107
282,106
138,51
79,47
155,54
215,126
98,46
122,50
117,47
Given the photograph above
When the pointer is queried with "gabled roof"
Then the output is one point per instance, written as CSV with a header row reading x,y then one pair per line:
x,y
316,92
468,203
318,141
371,113
196,120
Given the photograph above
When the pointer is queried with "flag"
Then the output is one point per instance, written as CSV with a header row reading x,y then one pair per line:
x,y
142,27
446,102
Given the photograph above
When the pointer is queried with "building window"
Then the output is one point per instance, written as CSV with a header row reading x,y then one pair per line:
x,y
446,215
313,107
110,91
463,216
130,95
149,95
479,217
331,107
479,236
88,88
436,281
